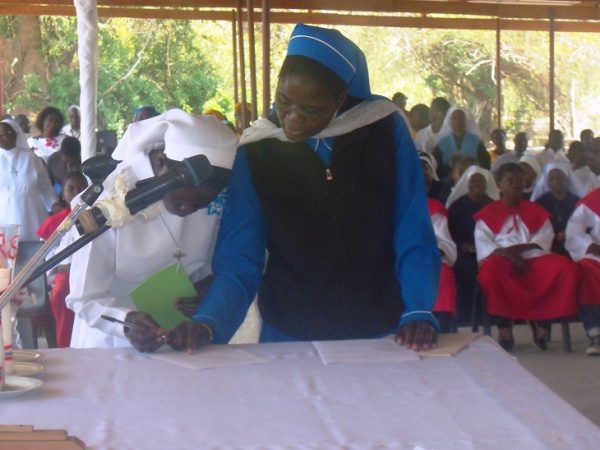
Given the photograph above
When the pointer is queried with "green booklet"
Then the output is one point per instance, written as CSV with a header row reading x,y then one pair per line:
x,y
156,295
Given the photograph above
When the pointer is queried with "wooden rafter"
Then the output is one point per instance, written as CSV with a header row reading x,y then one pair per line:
x,y
468,23
586,10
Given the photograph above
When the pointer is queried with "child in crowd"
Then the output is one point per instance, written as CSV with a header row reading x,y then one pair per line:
x,y
433,185
558,191
445,306
74,183
67,159
580,158
458,165
475,189
498,138
532,170
519,277
583,243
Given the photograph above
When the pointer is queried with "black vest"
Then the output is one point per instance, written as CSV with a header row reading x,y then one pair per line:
x,y
330,270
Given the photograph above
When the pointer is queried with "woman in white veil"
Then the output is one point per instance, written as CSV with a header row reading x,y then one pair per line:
x,y
460,135
26,195
473,191
558,190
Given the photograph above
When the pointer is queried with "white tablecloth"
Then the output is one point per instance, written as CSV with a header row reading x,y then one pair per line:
x,y
121,399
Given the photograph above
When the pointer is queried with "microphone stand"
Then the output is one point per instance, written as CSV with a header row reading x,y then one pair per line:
x,y
97,168
65,253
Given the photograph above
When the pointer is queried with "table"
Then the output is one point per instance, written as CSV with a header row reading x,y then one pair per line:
x,y
480,399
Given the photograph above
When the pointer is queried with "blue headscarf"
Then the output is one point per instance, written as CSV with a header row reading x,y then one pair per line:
x,y
336,52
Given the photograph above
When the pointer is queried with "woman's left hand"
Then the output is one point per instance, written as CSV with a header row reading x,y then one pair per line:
x,y
417,335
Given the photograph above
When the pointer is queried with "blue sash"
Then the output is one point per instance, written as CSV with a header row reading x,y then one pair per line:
x,y
468,146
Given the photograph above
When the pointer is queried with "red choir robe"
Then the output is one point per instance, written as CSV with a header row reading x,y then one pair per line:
x,y
547,290
446,300
64,316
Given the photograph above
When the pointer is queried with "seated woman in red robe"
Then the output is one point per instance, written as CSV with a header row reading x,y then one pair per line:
x,y
519,277
583,243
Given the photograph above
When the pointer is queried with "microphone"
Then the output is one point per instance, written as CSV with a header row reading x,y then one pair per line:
x,y
190,172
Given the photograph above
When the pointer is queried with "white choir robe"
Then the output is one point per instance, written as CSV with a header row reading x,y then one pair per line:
x,y
25,198
486,241
444,240
107,269
549,155
426,140
589,180
583,229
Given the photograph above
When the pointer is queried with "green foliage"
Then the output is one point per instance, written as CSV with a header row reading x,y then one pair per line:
x,y
188,64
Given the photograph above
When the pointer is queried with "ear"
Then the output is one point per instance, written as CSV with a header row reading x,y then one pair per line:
x,y
342,99
158,160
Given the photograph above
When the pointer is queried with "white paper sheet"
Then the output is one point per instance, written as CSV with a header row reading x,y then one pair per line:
x,y
209,357
364,351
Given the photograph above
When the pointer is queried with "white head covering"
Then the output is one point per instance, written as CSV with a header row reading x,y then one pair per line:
x,y
471,125
532,162
429,159
462,186
182,135
75,107
21,143
574,186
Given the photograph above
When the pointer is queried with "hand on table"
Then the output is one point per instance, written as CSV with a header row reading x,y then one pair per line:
x,y
149,337
190,336
417,335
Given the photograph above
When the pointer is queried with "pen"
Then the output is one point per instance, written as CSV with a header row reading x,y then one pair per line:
x,y
163,336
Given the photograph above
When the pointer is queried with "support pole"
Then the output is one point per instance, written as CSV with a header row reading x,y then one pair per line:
x,y
552,92
252,59
87,50
498,74
243,113
236,80
266,57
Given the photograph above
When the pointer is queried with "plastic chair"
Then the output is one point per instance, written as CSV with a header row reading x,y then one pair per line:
x,y
34,315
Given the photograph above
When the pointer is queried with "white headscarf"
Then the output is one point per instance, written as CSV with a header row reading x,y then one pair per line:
x,y
574,186
471,125
532,162
429,159
462,186
182,135
21,143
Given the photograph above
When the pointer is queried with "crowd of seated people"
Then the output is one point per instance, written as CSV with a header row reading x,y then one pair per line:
x,y
489,237
508,214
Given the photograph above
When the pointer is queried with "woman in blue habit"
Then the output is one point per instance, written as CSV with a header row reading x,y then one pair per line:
x,y
330,187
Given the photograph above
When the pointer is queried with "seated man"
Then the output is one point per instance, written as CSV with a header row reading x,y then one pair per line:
x,y
583,243
180,229
519,277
